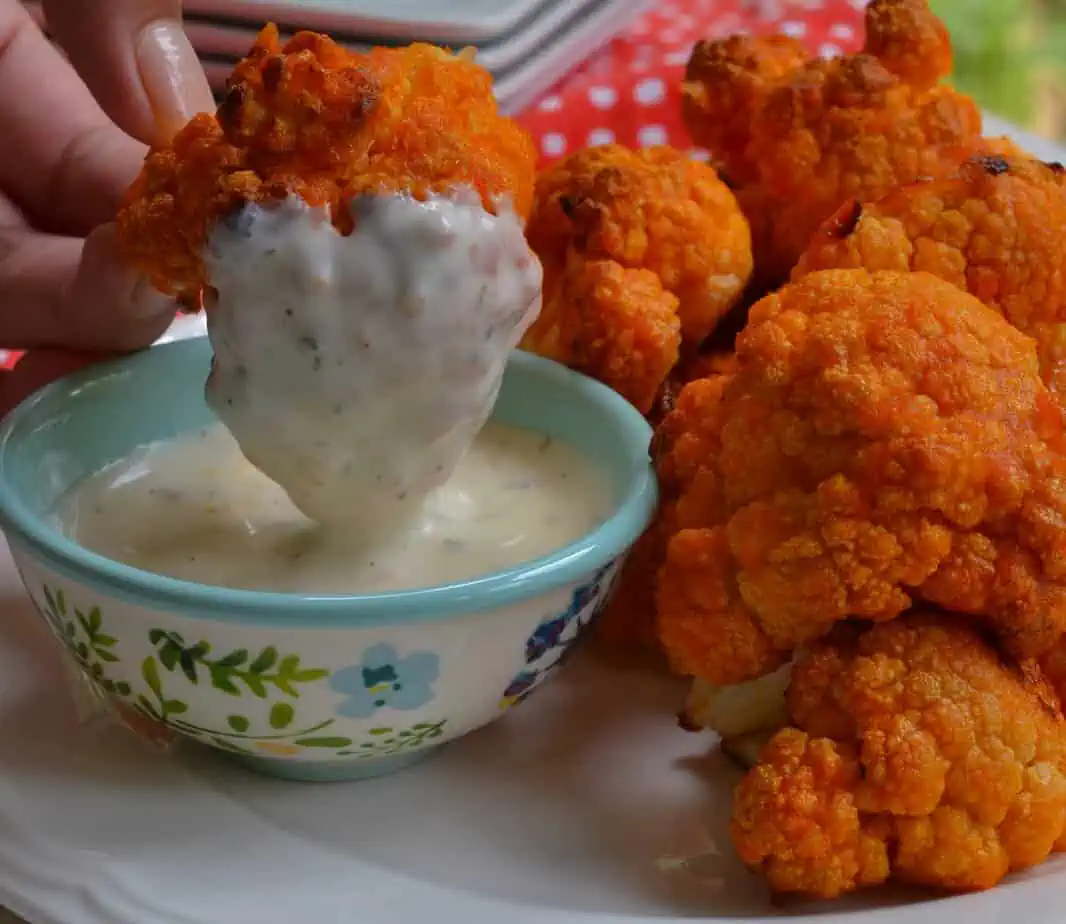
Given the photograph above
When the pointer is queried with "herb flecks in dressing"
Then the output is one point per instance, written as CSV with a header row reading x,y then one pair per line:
x,y
355,371
194,508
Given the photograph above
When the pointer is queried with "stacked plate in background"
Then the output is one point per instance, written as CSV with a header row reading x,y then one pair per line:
x,y
526,44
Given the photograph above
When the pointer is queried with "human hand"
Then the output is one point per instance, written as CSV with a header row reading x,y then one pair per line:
x,y
74,138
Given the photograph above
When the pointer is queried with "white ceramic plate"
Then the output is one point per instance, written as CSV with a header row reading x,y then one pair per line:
x,y
588,803
230,42
585,805
451,20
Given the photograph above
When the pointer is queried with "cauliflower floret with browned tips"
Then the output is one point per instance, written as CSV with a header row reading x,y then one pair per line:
x,y
615,324
629,619
800,137
679,245
996,228
308,118
886,438
353,224
725,82
919,753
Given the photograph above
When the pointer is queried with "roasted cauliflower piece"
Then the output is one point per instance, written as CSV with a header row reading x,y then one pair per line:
x,y
918,753
886,439
996,228
800,137
311,119
643,253
629,620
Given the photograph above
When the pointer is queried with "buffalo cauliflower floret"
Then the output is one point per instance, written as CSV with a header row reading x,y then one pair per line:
x,y
627,239
629,620
918,754
615,324
800,137
310,118
996,227
725,82
886,438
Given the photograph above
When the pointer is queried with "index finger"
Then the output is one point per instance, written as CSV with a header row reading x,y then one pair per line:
x,y
62,160
137,61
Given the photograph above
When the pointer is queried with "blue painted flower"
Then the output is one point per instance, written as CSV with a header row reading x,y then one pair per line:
x,y
384,679
594,592
519,688
548,635
549,645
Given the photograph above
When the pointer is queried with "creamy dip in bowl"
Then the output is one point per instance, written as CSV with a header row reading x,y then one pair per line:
x,y
307,684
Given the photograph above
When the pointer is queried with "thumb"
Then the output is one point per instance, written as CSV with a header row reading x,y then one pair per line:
x,y
75,294
106,305
136,59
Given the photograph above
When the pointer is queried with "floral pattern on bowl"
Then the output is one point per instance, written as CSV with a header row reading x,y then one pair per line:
x,y
160,716
550,644
166,684
384,679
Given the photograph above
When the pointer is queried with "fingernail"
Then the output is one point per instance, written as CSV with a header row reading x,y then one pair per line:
x,y
172,76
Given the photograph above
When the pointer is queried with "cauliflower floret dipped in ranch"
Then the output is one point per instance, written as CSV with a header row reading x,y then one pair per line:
x,y
353,226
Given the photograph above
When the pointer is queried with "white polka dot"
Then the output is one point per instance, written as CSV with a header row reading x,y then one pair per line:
x,y
651,135
699,154
671,36
794,29
767,10
551,103
650,92
603,97
829,50
643,59
677,58
842,32
553,144
601,136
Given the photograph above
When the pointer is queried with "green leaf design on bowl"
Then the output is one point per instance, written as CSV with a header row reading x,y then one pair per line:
x,y
233,671
268,680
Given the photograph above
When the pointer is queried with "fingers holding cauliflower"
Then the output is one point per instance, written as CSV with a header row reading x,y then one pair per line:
x,y
917,753
886,439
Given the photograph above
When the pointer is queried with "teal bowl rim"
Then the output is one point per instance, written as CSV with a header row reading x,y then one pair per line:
x,y
579,559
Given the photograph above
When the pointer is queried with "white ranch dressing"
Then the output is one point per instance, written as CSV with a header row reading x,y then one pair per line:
x,y
194,508
356,370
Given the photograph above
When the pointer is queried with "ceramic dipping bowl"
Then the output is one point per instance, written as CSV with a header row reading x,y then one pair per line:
x,y
301,686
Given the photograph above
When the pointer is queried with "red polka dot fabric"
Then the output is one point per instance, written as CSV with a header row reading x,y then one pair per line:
x,y
629,91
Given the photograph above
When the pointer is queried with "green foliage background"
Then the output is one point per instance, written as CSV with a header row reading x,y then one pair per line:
x,y
1006,51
